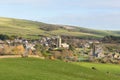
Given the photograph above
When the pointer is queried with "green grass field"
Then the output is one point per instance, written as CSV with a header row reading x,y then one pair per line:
x,y
113,69
30,29
37,69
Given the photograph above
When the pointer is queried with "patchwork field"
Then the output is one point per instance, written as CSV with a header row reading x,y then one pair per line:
x,y
37,69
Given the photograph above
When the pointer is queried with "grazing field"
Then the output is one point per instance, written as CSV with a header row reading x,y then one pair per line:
x,y
110,69
37,69
31,29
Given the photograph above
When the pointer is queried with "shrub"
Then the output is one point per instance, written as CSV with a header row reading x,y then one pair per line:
x,y
4,37
18,49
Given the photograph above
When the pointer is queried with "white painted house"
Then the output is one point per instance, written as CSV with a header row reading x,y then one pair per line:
x,y
65,45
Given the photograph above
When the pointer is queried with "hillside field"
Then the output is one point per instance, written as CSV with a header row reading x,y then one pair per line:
x,y
32,29
37,69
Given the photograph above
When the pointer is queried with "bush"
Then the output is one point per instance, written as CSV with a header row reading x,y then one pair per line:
x,y
4,37
18,49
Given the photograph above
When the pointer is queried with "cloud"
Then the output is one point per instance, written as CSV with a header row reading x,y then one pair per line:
x,y
94,3
68,3
25,2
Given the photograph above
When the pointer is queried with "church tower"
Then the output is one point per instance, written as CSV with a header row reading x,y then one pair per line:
x,y
58,41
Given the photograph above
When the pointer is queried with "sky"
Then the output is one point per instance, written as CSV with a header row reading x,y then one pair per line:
x,y
95,14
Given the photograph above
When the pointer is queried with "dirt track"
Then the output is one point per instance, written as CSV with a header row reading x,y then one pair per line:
x,y
18,56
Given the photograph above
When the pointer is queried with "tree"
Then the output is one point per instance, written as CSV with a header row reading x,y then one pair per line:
x,y
4,37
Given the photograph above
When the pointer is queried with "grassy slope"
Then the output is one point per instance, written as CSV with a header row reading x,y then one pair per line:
x,y
27,28
36,69
19,27
111,68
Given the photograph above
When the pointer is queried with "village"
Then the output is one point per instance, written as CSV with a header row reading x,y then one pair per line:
x,y
57,47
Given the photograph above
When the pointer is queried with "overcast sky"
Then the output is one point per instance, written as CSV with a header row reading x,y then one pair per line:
x,y
96,14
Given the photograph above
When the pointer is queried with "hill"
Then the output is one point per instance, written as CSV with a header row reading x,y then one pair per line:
x,y
37,69
32,29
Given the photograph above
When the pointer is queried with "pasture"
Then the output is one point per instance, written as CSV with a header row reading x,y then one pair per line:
x,y
37,69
